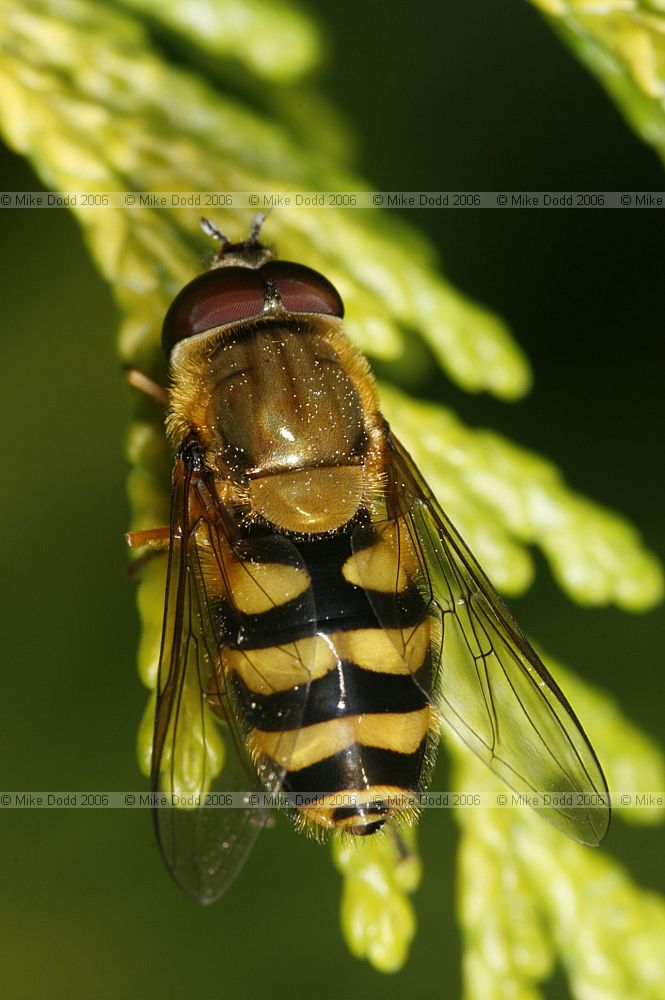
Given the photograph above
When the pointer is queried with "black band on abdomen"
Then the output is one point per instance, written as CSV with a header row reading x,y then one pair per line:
x,y
358,767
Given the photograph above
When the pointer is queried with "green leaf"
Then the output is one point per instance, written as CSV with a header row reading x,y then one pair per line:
x,y
623,43
272,40
529,897
380,873
500,496
87,98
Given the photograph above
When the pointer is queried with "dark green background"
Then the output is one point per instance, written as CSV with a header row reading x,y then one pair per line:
x,y
467,97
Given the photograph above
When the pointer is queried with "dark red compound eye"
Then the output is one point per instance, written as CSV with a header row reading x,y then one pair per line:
x,y
303,290
223,295
231,294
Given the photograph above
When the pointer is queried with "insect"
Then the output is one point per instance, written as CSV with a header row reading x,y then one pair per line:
x,y
321,609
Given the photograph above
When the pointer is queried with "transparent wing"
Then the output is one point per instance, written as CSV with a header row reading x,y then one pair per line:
x,y
219,589
490,686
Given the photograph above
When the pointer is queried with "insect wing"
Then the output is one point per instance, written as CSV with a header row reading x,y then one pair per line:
x,y
213,587
490,686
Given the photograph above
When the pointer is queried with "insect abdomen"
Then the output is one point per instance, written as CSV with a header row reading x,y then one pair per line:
x,y
361,735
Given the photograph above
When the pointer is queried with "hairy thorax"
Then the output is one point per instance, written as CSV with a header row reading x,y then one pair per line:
x,y
289,421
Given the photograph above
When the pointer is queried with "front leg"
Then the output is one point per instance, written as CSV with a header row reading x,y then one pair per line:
x,y
155,540
146,385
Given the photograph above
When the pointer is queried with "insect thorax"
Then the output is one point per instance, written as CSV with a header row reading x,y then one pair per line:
x,y
287,414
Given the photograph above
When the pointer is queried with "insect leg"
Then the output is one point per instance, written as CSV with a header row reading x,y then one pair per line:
x,y
154,538
139,381
157,542
404,852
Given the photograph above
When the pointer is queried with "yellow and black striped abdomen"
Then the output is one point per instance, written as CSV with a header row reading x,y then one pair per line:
x,y
359,738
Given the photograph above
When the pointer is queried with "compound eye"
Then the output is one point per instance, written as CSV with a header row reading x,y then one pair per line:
x,y
303,290
215,298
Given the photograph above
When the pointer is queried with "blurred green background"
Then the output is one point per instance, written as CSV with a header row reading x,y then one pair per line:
x,y
471,97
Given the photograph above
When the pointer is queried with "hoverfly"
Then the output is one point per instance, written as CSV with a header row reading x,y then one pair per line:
x,y
320,606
